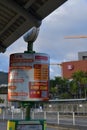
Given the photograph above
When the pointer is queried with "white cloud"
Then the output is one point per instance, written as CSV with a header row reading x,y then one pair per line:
x,y
69,19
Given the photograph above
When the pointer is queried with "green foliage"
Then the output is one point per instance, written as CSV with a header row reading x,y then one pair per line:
x,y
65,95
58,86
65,88
1,100
80,76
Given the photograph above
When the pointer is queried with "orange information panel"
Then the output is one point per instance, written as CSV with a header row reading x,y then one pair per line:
x,y
41,72
38,89
28,77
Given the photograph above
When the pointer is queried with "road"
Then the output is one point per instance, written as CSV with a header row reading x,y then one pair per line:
x,y
3,125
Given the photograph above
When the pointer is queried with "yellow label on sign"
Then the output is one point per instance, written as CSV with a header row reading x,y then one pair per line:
x,y
10,125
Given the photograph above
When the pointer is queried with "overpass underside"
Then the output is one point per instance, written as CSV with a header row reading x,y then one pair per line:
x,y
18,16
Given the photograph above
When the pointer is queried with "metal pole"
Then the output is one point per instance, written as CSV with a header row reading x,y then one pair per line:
x,y
44,114
12,114
28,116
32,114
22,114
73,118
3,114
58,117
28,110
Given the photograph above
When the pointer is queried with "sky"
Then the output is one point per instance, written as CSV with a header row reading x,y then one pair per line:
x,y
70,19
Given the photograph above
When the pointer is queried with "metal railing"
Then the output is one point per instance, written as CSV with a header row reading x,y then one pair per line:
x,y
69,118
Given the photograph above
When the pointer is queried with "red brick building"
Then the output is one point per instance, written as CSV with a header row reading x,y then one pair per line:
x,y
68,68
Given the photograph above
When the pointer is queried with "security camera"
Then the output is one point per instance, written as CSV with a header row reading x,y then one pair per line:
x,y
31,35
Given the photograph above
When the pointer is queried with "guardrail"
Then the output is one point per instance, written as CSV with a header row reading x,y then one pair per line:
x,y
68,118
55,117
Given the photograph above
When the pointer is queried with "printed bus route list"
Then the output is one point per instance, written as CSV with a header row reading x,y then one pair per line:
x,y
21,64
41,72
29,127
36,89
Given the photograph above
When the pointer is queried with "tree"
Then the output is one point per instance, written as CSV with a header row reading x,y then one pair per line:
x,y
78,75
75,88
59,88
80,78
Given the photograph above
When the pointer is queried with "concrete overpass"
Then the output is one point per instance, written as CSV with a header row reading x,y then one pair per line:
x,y
18,16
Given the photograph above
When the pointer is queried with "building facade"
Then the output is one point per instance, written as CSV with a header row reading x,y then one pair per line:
x,y
82,55
68,68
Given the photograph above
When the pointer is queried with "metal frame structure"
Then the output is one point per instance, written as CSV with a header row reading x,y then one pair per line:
x,y
18,16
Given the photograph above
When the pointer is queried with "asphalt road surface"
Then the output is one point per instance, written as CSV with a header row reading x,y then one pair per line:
x,y
3,125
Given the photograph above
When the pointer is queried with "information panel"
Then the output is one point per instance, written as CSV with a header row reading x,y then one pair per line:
x,y
26,125
29,127
28,77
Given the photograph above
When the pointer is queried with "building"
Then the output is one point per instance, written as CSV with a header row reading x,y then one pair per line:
x,y
82,55
68,68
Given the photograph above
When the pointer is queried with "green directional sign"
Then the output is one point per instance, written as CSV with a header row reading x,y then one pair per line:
x,y
26,125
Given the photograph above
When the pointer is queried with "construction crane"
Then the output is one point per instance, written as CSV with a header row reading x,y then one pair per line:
x,y
55,64
75,37
58,64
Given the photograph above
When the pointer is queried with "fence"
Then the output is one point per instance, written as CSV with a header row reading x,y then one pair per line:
x,y
55,117
69,118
